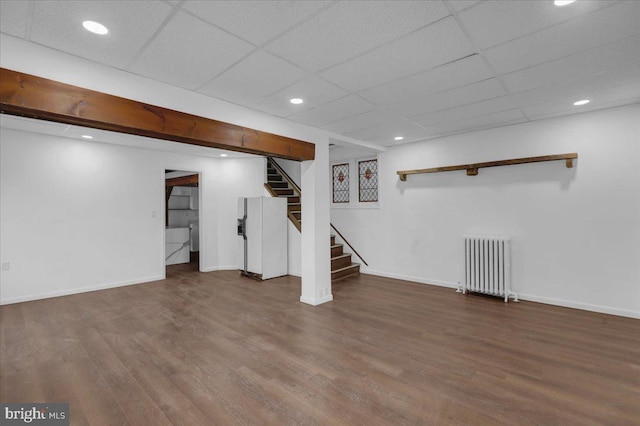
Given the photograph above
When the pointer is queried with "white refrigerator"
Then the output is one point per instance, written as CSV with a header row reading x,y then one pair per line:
x,y
262,236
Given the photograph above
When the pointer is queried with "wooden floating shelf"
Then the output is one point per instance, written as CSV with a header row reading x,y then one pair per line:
x,y
472,169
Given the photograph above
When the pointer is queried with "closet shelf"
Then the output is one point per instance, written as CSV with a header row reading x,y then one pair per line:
x,y
472,169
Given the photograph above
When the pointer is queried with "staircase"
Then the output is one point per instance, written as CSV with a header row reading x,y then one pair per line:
x,y
280,185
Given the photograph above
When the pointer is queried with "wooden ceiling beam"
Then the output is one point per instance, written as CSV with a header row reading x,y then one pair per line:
x,y
191,180
31,96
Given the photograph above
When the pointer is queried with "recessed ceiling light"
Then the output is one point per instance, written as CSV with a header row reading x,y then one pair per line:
x,y
582,102
563,2
87,136
296,101
398,138
95,27
223,155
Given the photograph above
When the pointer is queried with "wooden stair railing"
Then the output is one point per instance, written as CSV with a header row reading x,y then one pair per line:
x,y
280,184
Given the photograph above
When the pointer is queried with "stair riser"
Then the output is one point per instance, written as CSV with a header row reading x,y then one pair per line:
x,y
333,241
283,191
271,177
294,207
293,200
336,251
340,263
278,185
346,273
298,216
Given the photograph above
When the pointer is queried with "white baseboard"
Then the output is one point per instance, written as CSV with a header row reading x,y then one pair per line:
x,y
579,305
522,296
316,302
68,292
221,268
420,280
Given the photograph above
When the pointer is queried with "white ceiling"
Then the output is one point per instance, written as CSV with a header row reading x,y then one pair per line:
x,y
370,70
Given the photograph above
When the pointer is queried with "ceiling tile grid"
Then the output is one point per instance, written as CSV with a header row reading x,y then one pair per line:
x,y
351,28
471,93
361,121
585,32
599,99
493,22
579,88
58,25
466,111
314,90
594,61
253,78
370,70
255,21
344,107
444,41
496,119
189,52
448,76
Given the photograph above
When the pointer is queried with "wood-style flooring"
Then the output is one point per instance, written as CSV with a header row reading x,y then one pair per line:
x,y
219,349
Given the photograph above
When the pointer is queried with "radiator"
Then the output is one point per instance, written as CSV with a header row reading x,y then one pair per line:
x,y
487,266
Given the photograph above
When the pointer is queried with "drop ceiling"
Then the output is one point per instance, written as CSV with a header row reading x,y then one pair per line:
x,y
369,70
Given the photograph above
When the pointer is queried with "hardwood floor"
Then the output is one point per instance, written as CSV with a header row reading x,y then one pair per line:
x,y
216,348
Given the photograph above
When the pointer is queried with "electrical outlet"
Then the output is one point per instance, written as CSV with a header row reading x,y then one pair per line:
x,y
6,266
153,213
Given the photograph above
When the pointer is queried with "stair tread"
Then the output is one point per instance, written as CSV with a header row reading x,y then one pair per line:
x,y
341,256
337,245
344,268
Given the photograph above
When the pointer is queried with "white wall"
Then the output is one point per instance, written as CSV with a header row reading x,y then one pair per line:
x,y
575,232
32,58
291,168
77,215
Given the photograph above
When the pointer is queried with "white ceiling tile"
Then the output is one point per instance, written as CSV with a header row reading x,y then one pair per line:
x,y
384,134
471,93
466,111
58,24
13,17
361,121
439,79
427,48
620,21
189,52
459,5
599,99
583,64
255,21
333,111
497,119
313,90
350,28
578,88
492,22
255,77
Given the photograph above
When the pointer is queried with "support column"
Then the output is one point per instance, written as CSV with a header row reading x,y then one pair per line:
x,y
316,253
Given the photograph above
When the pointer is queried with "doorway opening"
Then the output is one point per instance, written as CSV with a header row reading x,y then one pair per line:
x,y
182,220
